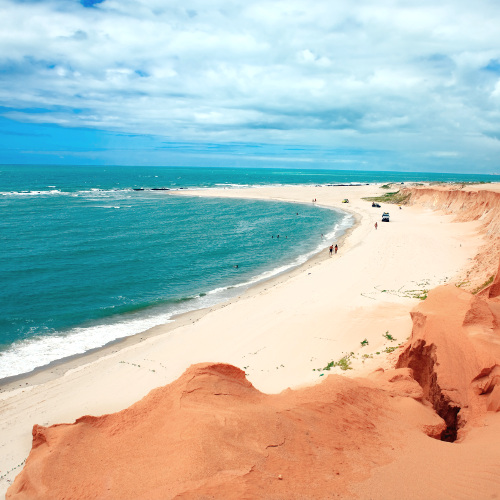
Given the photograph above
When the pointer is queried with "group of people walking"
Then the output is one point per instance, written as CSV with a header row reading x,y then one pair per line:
x,y
332,248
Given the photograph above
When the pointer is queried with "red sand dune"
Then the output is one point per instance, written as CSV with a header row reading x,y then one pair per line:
x,y
211,434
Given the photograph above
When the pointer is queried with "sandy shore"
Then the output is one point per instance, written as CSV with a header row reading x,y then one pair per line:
x,y
279,332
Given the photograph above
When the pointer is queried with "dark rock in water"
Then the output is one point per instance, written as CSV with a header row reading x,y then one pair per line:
x,y
160,189
138,189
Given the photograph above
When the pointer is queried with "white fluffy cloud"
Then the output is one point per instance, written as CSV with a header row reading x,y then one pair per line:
x,y
409,76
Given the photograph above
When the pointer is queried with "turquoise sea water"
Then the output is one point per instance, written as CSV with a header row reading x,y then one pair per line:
x,y
91,254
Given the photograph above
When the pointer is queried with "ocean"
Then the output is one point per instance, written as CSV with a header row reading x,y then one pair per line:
x,y
92,254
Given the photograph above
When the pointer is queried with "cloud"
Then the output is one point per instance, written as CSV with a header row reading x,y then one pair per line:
x,y
395,75
444,154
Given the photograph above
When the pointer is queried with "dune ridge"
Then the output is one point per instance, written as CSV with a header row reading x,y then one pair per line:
x,y
426,428
211,434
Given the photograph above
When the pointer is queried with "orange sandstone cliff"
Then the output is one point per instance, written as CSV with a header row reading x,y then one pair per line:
x,y
426,429
454,355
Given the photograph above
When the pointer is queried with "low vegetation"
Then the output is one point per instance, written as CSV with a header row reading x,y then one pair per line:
x,y
390,349
343,363
395,197
489,281
388,336
472,183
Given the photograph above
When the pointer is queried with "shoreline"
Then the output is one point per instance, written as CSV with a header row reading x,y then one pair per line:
x,y
59,367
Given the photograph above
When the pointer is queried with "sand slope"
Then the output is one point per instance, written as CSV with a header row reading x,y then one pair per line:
x,y
211,434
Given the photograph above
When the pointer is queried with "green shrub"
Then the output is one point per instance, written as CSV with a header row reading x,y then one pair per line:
x,y
388,336
395,197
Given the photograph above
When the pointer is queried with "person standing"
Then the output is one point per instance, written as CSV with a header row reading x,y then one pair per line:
x,y
336,248
331,250
376,225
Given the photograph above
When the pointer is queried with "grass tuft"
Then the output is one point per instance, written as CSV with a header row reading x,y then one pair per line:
x,y
489,281
390,349
388,336
343,363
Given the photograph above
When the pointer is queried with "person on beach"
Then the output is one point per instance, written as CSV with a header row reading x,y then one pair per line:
x,y
331,250
336,248
376,225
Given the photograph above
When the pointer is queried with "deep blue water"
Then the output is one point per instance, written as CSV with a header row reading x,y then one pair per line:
x,y
87,257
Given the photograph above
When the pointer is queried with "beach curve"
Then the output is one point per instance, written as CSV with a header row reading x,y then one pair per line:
x,y
281,332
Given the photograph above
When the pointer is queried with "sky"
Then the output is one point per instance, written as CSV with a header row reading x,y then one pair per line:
x,y
368,85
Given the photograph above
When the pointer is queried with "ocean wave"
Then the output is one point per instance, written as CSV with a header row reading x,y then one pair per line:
x,y
32,193
106,206
26,355
51,192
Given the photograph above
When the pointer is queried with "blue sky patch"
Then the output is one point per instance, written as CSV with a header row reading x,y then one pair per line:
x,y
90,3
493,66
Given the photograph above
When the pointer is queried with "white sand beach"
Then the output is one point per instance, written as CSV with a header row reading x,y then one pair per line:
x,y
280,332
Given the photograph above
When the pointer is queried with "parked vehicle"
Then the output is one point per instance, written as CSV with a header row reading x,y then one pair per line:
x,y
375,205
385,217
345,200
